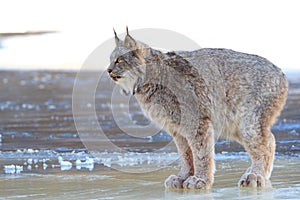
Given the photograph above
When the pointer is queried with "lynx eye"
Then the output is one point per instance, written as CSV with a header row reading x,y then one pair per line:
x,y
119,60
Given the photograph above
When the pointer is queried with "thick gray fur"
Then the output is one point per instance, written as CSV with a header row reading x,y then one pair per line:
x,y
199,95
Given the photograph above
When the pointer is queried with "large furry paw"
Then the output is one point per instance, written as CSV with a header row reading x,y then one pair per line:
x,y
173,182
194,182
252,180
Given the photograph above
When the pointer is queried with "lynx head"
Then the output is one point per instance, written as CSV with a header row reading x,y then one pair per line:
x,y
127,62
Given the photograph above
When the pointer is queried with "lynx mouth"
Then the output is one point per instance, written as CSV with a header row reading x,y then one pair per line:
x,y
115,77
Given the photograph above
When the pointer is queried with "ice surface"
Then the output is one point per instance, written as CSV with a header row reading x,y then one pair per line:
x,y
40,159
286,127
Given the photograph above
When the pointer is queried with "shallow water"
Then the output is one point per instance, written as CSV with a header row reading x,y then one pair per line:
x,y
42,155
111,184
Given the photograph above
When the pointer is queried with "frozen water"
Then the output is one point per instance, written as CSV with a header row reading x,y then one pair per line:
x,y
40,142
112,184
45,166
29,158
88,164
286,127
64,165
12,169
9,169
293,132
29,161
19,169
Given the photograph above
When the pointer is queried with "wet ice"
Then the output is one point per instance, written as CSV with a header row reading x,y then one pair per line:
x,y
37,128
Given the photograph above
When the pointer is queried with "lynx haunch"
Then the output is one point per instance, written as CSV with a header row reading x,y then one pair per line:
x,y
198,95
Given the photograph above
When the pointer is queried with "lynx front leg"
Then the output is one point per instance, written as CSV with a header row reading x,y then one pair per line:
x,y
186,160
202,146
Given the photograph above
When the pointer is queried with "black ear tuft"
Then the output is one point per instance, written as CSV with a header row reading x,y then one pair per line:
x,y
117,40
127,32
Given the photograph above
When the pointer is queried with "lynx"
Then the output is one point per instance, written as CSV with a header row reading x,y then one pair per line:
x,y
199,95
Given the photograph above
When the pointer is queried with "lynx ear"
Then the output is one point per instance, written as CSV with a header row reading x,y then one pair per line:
x,y
138,48
129,42
117,40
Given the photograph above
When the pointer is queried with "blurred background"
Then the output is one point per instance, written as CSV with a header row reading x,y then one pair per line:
x,y
266,28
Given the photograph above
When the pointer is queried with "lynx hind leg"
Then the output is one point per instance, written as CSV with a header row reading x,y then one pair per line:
x,y
261,150
259,141
186,161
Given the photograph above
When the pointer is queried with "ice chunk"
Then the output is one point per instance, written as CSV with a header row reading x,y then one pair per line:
x,y
19,169
64,165
51,107
30,151
9,169
89,161
45,166
88,164
12,169
29,161
78,162
59,159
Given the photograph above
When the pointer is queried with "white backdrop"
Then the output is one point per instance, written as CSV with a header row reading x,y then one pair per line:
x,y
267,28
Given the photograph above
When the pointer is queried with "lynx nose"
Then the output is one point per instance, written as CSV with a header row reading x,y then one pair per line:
x,y
109,70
